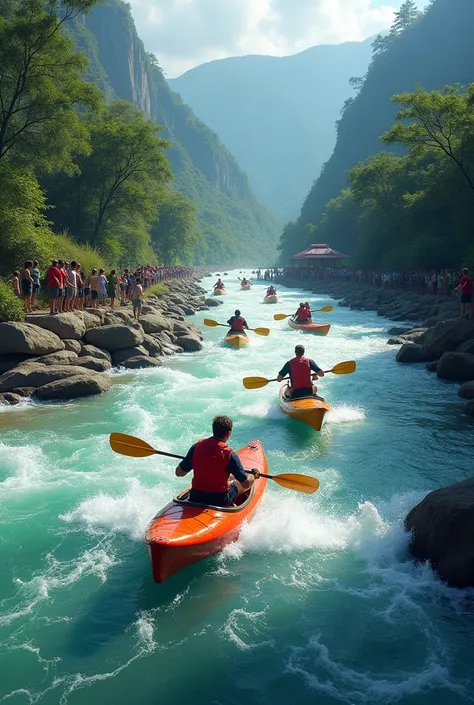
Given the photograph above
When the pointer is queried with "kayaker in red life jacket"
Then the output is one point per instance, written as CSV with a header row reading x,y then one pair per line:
x,y
218,475
303,314
244,282
219,285
299,371
271,291
237,323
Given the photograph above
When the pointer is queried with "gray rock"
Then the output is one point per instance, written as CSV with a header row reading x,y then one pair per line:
x,y
212,302
8,362
34,375
83,385
416,335
125,315
92,351
72,345
467,347
397,331
190,343
189,311
155,323
409,352
11,398
91,320
468,408
27,339
447,336
24,391
396,341
458,367
93,363
152,346
110,319
62,357
432,366
466,390
141,361
64,325
119,357
113,338
442,527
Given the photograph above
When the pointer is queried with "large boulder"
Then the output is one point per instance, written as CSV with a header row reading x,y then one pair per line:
x,y
213,302
155,323
35,375
65,325
24,392
119,357
467,347
28,339
442,527
152,346
73,346
466,390
11,398
83,385
458,367
93,363
140,361
62,357
113,338
468,408
409,352
8,362
190,343
92,351
91,320
447,336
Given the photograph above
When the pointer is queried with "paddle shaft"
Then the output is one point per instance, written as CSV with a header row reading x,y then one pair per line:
x,y
326,372
226,325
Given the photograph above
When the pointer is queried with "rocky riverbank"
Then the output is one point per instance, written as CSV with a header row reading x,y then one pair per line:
x,y
67,356
440,337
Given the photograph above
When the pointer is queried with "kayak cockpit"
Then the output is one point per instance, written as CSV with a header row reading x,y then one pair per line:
x,y
242,502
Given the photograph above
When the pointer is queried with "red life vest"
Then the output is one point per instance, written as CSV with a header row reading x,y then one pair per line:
x,y
300,373
210,460
238,323
303,315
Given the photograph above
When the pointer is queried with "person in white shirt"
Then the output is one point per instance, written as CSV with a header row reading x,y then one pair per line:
x,y
71,287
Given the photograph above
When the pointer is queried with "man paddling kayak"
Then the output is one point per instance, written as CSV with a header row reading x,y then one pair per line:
x,y
303,314
218,474
299,371
244,282
219,285
237,323
271,291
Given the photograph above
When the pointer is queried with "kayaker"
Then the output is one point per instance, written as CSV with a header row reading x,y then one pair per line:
x,y
237,323
244,282
218,474
308,308
219,284
465,286
271,291
299,371
302,315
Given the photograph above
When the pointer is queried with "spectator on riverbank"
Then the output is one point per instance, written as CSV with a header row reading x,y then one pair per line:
x,y
465,287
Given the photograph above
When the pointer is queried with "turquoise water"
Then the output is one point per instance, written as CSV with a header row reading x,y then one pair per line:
x,y
317,602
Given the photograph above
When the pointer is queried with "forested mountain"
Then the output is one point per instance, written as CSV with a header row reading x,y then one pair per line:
x,y
231,222
427,195
277,115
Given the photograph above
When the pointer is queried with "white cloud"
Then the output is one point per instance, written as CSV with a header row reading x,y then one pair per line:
x,y
184,33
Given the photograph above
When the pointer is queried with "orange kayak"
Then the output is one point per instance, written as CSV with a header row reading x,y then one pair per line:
x,y
308,410
315,328
271,299
184,533
219,292
236,340
246,287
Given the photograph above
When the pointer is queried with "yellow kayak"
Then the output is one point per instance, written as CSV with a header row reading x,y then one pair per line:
x,y
308,410
220,292
270,299
236,340
246,287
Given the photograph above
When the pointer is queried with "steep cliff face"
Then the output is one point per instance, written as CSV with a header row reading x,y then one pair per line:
x,y
231,221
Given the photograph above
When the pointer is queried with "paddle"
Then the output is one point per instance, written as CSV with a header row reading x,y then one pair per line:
x,y
343,368
136,448
212,324
282,316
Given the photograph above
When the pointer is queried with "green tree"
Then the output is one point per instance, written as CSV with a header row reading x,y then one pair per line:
x,y
174,235
405,17
41,85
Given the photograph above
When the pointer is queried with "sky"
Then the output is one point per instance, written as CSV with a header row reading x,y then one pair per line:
x,y
185,33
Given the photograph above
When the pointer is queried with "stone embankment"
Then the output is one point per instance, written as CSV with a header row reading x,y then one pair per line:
x,y
440,338
65,356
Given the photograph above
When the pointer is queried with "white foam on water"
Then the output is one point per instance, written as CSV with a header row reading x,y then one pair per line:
x,y
26,469
345,414
242,626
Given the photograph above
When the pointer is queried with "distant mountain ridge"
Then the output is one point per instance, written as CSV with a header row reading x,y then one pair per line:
x,y
277,115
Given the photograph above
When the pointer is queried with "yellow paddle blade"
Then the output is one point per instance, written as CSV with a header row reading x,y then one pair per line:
x,y
255,382
280,316
299,483
344,368
209,322
131,446
326,309
261,331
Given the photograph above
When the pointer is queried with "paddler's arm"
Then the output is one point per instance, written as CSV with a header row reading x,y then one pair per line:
x,y
284,372
316,369
246,324
186,465
236,469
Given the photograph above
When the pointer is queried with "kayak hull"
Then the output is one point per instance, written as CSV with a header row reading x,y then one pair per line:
x,y
309,410
314,328
272,299
245,287
220,292
182,533
236,340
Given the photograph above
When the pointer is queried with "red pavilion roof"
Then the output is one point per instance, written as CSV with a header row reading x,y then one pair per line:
x,y
319,252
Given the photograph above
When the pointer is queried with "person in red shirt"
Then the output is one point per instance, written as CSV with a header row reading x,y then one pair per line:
x,y
218,475
465,287
237,323
302,315
299,371
54,278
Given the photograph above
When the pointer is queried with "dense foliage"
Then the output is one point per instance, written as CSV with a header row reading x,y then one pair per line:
x,y
11,307
410,206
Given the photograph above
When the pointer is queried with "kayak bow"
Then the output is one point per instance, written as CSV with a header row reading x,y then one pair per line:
x,y
308,410
236,340
315,328
271,299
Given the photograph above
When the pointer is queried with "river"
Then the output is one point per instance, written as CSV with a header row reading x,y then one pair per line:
x,y
318,601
